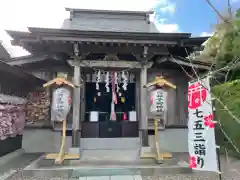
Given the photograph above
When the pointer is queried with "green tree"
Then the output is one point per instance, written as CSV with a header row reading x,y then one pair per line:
x,y
224,46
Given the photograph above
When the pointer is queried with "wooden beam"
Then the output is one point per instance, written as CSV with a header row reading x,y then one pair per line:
x,y
189,64
108,49
105,40
15,62
108,64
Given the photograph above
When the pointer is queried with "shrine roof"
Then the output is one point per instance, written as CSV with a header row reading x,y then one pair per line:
x,y
19,73
33,31
38,34
4,55
109,20
110,11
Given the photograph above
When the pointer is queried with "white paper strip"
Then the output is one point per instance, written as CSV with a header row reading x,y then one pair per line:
x,y
201,136
132,116
94,116
125,81
98,80
107,82
130,77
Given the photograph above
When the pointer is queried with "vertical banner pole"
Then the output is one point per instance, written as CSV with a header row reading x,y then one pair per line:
x,y
219,163
218,147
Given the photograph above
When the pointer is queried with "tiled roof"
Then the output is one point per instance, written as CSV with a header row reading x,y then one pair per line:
x,y
106,20
4,55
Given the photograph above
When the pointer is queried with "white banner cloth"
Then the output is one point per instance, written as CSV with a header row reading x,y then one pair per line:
x,y
201,135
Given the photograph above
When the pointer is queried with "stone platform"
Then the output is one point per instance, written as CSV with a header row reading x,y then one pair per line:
x,y
101,164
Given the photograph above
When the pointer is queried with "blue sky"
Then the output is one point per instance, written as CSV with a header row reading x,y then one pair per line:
x,y
194,16
191,16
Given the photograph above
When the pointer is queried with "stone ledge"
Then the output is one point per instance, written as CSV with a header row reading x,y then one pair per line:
x,y
8,157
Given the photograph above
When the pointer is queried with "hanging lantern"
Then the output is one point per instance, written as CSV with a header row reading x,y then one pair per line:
x,y
124,117
94,99
61,105
158,101
123,100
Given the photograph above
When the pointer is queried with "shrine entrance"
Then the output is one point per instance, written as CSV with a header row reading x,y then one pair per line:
x,y
98,111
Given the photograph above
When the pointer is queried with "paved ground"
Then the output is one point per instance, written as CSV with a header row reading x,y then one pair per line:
x,y
230,171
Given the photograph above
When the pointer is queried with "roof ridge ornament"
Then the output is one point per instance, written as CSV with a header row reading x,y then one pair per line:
x,y
160,81
111,57
60,80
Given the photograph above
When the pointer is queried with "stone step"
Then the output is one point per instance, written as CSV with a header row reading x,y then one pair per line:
x,y
83,172
108,155
110,143
16,163
110,167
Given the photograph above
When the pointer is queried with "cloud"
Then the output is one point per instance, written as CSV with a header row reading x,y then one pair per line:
x,y
204,34
162,11
51,13
168,28
168,9
165,6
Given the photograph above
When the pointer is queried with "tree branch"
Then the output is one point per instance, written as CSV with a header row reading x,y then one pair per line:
x,y
216,11
230,8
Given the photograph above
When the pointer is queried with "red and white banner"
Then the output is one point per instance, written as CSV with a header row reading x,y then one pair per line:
x,y
201,135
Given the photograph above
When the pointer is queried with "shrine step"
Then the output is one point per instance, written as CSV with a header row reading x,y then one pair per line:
x,y
110,143
16,163
109,166
106,168
110,155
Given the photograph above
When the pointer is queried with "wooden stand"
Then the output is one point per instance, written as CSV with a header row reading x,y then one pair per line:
x,y
61,156
155,152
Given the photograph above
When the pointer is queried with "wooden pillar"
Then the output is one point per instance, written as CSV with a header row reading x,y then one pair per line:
x,y
76,125
138,102
143,106
83,102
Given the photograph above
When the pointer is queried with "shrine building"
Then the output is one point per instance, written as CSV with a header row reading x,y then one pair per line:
x,y
95,47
